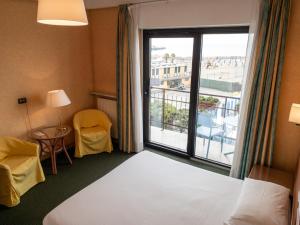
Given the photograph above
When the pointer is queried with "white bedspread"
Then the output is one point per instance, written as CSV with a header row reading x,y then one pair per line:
x,y
149,189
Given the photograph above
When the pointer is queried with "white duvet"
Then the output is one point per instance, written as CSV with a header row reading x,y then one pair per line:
x,y
149,189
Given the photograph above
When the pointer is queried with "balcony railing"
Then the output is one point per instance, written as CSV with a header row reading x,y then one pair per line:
x,y
169,109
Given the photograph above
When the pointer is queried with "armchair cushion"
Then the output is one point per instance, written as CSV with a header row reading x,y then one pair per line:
x,y
92,134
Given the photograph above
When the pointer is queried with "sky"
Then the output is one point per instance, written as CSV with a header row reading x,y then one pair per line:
x,y
213,45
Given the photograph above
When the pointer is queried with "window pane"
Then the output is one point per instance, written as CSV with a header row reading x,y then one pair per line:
x,y
170,92
152,72
221,76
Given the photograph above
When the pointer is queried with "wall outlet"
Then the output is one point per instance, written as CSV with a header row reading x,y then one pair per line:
x,y
22,100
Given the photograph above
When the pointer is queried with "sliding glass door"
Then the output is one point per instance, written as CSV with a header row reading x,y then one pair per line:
x,y
170,87
192,88
219,92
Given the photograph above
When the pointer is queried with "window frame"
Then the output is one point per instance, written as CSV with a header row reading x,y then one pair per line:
x,y
197,34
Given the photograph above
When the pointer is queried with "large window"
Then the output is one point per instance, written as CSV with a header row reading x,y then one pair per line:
x,y
192,105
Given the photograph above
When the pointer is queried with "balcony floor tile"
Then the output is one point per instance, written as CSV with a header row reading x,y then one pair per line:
x,y
179,140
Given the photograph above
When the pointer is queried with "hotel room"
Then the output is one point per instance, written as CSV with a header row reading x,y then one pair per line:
x,y
149,112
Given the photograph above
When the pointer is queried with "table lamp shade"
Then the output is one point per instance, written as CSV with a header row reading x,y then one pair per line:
x,y
57,98
62,12
295,113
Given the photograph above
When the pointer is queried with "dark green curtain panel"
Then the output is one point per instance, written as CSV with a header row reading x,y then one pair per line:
x,y
124,70
268,62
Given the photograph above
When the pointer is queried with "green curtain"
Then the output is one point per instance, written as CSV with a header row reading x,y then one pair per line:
x,y
124,84
259,138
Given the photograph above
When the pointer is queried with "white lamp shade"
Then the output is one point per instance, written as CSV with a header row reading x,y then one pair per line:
x,y
62,12
57,98
295,113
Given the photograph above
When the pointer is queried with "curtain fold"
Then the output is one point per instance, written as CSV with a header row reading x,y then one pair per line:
x,y
136,77
258,142
128,78
247,84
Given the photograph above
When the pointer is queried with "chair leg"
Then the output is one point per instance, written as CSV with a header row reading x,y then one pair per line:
x,y
222,142
208,145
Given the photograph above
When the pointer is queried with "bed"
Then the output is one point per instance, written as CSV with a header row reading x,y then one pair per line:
x,y
149,189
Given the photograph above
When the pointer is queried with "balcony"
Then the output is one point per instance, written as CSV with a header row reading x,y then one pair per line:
x,y
216,127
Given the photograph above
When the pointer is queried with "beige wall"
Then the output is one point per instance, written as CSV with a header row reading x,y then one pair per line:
x,y
103,28
288,135
37,58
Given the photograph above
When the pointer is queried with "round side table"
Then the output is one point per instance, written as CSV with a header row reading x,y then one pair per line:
x,y
51,140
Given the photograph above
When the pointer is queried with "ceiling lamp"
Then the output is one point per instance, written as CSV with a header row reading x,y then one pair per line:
x,y
62,12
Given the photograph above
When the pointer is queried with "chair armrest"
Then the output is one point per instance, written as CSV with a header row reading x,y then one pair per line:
x,y
76,122
76,127
20,147
106,124
4,167
77,134
5,174
30,149
9,195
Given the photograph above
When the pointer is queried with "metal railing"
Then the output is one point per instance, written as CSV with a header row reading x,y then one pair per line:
x,y
169,108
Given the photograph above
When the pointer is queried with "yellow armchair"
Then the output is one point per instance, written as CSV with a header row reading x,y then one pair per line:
x,y
20,169
92,132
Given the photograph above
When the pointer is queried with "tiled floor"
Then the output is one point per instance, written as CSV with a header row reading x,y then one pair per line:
x,y
179,140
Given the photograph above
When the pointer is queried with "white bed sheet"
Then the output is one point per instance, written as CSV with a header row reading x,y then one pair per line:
x,y
149,189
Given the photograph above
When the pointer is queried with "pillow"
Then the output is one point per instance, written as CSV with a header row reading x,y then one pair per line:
x,y
261,203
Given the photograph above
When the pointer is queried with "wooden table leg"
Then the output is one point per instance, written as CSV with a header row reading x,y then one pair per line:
x,y
53,157
54,147
41,150
51,150
65,151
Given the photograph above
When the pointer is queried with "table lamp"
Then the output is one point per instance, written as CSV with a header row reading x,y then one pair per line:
x,y
295,114
57,99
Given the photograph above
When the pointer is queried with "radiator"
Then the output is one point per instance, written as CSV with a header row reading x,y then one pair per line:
x,y
108,104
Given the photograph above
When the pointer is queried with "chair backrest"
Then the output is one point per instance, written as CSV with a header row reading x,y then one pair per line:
x,y
7,145
90,118
205,119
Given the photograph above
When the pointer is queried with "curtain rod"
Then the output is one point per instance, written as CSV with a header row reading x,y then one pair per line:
x,y
147,2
